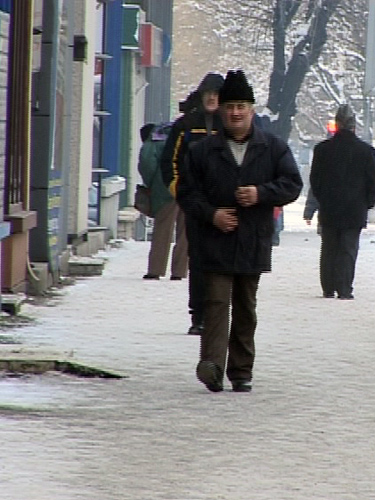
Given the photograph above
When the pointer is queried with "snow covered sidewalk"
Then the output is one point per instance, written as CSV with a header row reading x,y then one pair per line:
x,y
305,432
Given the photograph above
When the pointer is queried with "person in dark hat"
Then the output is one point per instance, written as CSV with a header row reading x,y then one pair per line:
x,y
342,179
201,119
229,185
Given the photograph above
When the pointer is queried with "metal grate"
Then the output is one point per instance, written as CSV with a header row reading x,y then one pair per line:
x,y
17,148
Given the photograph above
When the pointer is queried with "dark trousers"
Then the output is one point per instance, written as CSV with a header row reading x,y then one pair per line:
x,y
220,340
339,250
196,276
169,216
196,294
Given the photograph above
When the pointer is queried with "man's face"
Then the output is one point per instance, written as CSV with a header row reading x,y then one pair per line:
x,y
210,100
237,117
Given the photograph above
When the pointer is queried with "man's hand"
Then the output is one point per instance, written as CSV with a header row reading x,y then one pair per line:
x,y
225,219
308,222
247,196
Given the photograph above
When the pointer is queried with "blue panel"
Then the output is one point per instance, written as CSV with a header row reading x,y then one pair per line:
x,y
4,230
112,90
5,5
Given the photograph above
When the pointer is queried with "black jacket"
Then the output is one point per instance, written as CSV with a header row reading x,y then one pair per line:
x,y
209,179
185,130
342,179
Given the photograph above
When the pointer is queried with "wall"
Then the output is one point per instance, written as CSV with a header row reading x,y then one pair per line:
x,y
81,143
51,120
4,38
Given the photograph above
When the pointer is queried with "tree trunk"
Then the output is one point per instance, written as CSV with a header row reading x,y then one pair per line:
x,y
286,83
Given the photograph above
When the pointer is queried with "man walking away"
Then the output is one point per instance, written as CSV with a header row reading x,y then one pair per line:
x,y
230,184
342,179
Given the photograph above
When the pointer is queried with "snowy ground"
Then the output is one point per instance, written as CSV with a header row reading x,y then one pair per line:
x,y
307,431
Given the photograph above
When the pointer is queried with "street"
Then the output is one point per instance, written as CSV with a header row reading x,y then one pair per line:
x,y
305,432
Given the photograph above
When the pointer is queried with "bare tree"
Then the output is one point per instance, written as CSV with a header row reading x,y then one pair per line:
x,y
303,56
287,76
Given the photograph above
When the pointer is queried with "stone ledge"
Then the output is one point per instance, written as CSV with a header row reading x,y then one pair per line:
x,y
11,304
112,185
22,221
85,266
129,214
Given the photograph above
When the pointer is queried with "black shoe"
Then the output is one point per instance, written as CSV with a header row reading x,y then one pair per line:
x,y
195,330
241,385
329,295
176,278
151,277
210,375
346,297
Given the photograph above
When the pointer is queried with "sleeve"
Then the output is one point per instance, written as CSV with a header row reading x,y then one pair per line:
x,y
311,205
315,181
189,192
286,184
370,179
171,157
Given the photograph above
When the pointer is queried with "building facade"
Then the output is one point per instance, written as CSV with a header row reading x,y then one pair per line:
x,y
48,69
136,81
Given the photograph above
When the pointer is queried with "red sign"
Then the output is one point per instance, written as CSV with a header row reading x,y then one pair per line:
x,y
151,45
98,66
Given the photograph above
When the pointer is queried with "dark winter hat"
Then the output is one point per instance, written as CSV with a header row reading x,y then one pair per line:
x,y
211,82
236,88
345,118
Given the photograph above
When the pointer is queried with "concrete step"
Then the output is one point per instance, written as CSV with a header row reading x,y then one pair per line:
x,y
85,266
11,303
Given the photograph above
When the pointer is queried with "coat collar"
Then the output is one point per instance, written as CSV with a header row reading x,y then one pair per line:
x,y
257,137
257,144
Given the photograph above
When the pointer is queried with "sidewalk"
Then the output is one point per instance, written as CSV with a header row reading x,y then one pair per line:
x,y
307,431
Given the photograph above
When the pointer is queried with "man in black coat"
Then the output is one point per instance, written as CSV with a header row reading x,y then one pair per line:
x,y
200,119
230,184
342,179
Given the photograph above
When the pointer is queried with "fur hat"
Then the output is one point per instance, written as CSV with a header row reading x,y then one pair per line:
x,y
236,88
211,82
345,118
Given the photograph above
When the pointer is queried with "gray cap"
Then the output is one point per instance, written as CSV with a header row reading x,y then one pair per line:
x,y
345,118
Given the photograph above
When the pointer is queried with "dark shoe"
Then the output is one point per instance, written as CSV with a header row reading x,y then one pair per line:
x,y
195,330
151,277
328,295
209,374
346,297
176,278
241,386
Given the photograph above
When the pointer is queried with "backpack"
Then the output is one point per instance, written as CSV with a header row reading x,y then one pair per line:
x,y
149,161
